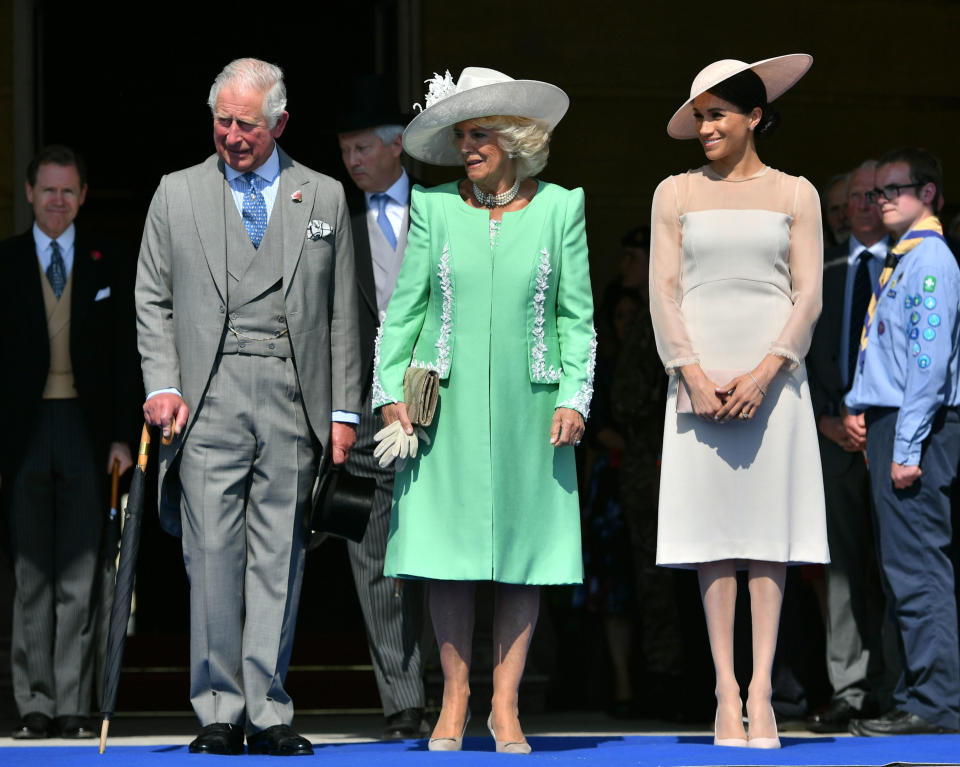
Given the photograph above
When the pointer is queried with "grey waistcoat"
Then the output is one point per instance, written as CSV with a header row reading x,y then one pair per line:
x,y
254,287
386,260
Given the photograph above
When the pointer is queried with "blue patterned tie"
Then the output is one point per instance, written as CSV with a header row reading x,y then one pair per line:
x,y
56,272
254,210
385,226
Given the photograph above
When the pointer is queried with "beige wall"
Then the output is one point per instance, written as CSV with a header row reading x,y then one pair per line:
x,y
628,65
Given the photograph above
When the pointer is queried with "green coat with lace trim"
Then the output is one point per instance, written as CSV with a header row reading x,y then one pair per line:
x,y
507,321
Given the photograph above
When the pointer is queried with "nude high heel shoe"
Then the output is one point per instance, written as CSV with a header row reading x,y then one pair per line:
x,y
765,742
738,742
507,746
449,744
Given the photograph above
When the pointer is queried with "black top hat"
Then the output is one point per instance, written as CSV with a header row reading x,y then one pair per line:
x,y
341,505
367,102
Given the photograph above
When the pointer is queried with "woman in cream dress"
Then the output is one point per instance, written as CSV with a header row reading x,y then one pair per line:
x,y
735,274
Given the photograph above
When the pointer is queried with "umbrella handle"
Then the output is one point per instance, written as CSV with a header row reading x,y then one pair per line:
x,y
144,448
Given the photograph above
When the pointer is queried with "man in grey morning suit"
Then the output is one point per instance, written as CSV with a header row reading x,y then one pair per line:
x,y
370,129
854,595
246,310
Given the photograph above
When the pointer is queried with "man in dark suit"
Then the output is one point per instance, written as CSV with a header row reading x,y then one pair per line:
x,y
69,379
370,132
854,595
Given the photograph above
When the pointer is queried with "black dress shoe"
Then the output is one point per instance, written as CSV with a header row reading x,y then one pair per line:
x,y
834,718
33,727
279,740
897,722
219,738
74,727
404,724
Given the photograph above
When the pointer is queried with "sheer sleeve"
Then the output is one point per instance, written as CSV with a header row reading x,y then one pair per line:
x,y
806,275
666,259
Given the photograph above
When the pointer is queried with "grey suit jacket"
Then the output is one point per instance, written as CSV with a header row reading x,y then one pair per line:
x,y
181,297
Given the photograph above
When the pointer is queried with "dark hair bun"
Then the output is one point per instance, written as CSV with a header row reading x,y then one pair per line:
x,y
768,122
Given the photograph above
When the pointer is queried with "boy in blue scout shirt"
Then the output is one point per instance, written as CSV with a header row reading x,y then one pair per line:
x,y
903,408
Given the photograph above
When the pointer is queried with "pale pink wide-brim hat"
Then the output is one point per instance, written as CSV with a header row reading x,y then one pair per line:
x,y
479,92
779,74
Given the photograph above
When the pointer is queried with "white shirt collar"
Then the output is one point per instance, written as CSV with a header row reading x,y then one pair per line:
x,y
268,171
65,240
399,191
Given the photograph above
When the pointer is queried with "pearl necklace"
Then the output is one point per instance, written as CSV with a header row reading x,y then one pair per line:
x,y
496,200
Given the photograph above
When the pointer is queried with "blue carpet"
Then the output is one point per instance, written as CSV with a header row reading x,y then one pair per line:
x,y
609,751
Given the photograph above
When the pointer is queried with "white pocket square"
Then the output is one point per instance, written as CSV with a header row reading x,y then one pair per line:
x,y
318,229
102,294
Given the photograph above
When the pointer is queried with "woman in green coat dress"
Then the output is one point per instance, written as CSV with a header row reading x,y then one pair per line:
x,y
494,294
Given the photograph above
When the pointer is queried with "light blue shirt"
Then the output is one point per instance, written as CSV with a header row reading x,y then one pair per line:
x,y
397,196
45,252
912,360
269,173
878,253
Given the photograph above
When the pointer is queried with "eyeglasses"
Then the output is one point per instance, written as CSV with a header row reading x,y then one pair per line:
x,y
890,192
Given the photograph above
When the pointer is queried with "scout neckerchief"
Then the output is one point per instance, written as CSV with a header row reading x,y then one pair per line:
x,y
929,227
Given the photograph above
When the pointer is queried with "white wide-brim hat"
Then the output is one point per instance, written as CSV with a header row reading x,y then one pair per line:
x,y
479,92
779,74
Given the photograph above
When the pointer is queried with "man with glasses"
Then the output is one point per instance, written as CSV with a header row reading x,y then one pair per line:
x,y
906,388
854,595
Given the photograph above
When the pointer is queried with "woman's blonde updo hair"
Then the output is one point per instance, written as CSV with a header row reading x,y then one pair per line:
x,y
526,140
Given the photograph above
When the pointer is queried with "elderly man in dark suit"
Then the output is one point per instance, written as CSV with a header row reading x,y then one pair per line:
x,y
370,129
246,309
67,356
854,595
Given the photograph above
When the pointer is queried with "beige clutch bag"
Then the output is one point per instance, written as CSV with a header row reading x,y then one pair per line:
x,y
719,377
420,390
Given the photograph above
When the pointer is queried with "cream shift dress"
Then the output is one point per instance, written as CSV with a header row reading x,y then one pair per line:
x,y
735,273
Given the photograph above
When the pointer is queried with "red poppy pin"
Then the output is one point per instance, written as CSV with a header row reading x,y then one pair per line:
x,y
96,255
297,196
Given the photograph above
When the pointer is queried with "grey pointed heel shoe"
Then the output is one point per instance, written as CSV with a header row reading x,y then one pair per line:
x,y
507,746
449,744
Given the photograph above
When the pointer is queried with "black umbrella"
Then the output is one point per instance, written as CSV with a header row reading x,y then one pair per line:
x,y
120,612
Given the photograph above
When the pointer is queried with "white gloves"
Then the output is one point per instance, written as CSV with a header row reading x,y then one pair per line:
x,y
393,443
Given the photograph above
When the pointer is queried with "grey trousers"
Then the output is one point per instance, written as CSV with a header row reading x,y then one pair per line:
x,y
393,622
247,470
56,518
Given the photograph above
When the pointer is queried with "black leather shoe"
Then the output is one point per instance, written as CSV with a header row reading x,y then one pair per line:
x,y
33,727
74,727
219,738
279,740
404,724
896,722
834,718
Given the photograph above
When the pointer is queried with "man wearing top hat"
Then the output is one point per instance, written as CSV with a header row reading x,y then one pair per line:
x,y
370,128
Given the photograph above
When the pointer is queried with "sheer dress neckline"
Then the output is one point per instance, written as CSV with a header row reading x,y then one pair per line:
x,y
708,171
